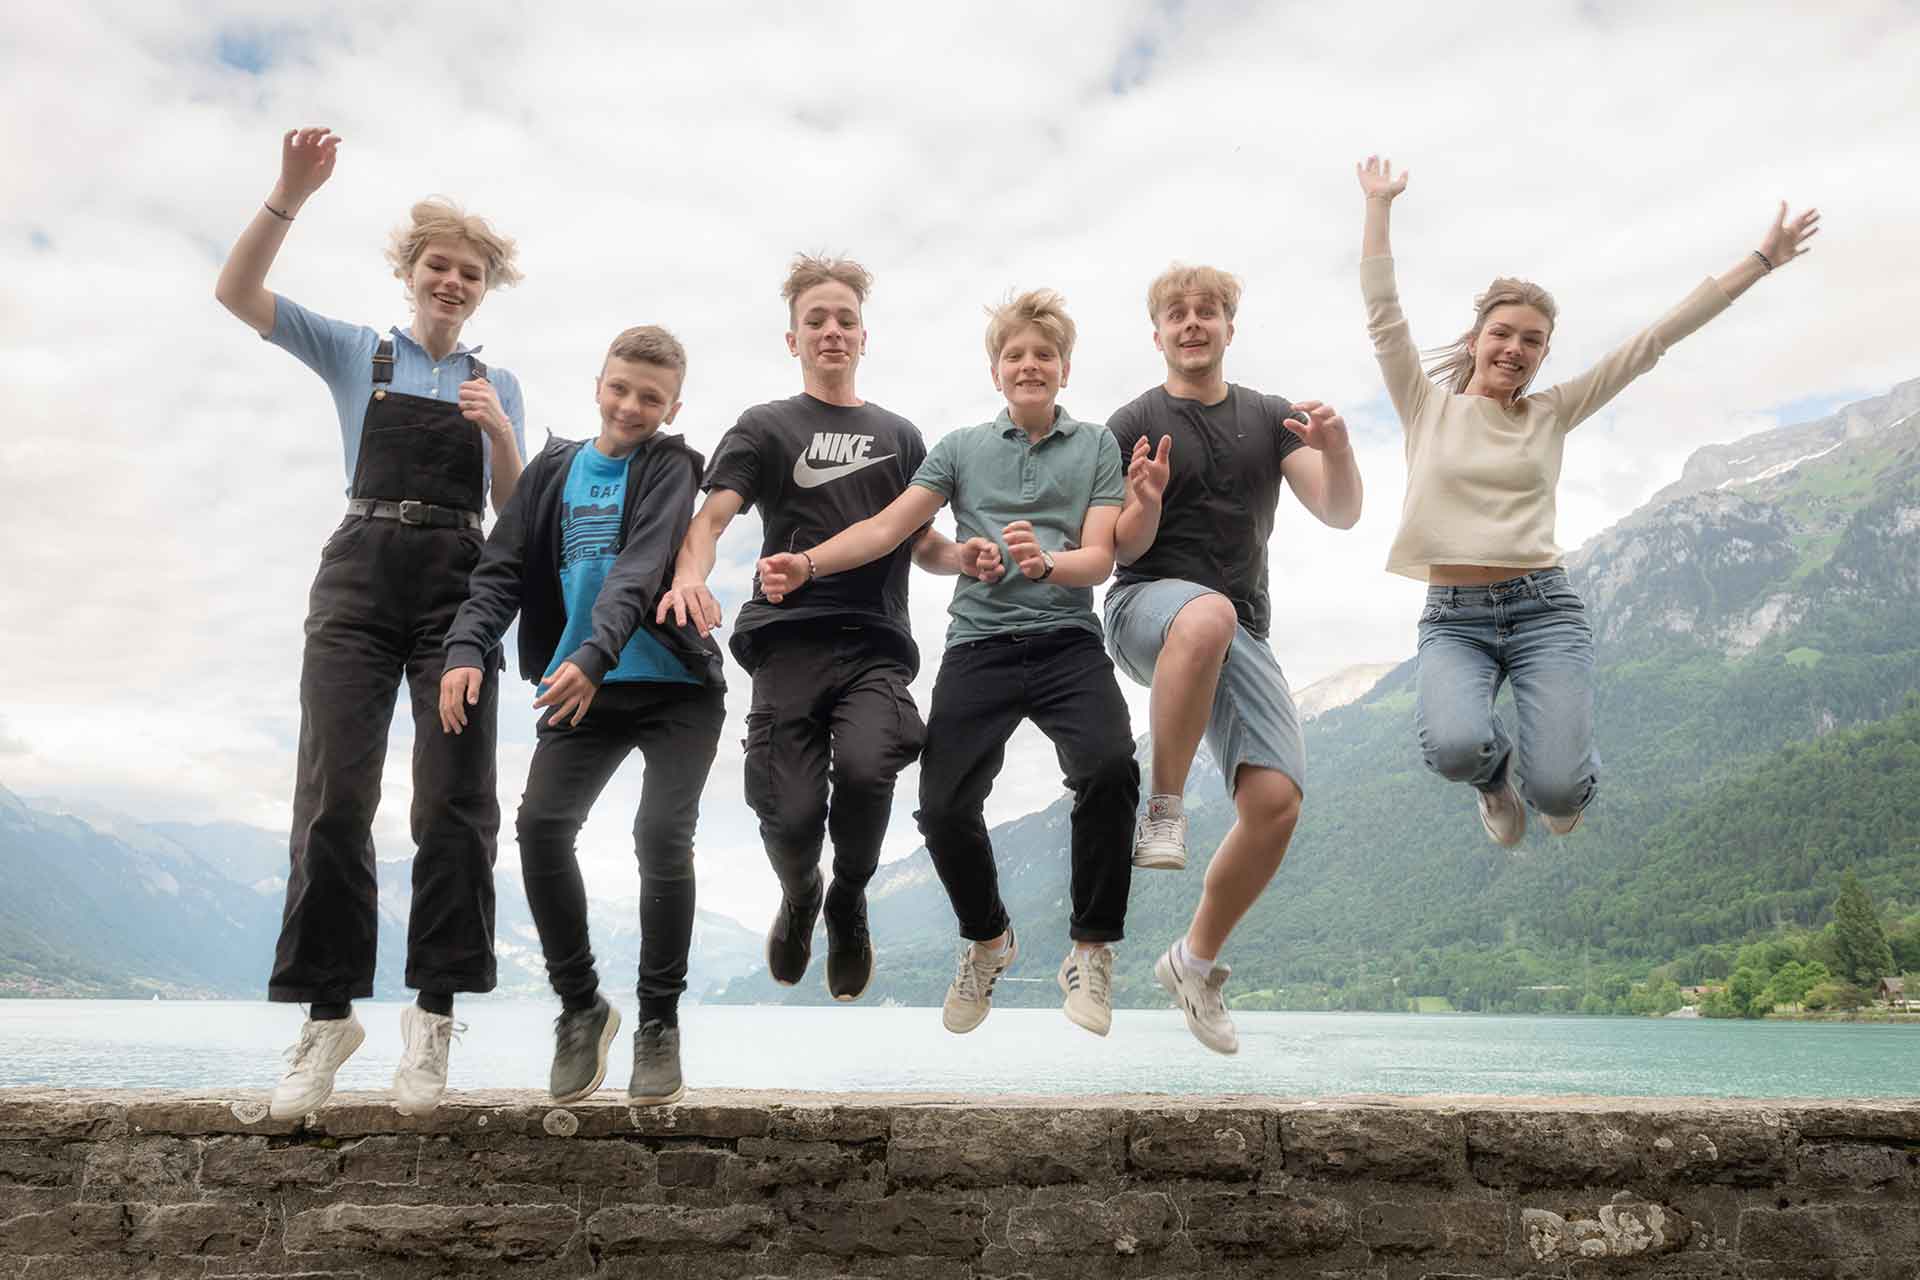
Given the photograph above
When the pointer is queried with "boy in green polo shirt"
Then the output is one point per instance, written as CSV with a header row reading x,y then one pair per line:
x,y
1039,489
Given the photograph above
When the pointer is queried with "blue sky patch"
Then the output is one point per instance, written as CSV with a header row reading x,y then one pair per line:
x,y
248,51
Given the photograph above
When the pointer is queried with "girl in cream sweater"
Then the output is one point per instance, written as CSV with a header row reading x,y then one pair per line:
x,y
1483,461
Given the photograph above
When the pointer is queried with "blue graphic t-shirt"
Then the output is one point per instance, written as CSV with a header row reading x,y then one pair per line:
x,y
589,538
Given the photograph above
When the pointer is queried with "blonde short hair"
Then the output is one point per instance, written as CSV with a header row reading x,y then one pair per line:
x,y
437,217
1451,366
1042,309
650,344
1180,279
808,270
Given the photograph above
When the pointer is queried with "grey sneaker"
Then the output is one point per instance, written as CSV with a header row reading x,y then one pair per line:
x,y
1086,979
580,1041
1562,826
421,1079
790,939
970,995
1160,839
312,1063
1198,995
849,950
1503,813
656,1065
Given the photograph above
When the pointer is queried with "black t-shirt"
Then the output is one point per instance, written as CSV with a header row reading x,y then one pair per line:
x,y
1221,494
813,469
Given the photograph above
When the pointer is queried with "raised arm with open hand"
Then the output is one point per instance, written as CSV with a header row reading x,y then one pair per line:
x,y
306,162
1380,186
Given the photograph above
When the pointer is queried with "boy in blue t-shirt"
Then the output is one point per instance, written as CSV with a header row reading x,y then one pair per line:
x,y
582,554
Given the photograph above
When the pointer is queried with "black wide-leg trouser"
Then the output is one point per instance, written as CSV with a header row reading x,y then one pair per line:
x,y
378,613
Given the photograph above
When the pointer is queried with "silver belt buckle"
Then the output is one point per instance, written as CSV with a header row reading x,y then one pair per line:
x,y
412,512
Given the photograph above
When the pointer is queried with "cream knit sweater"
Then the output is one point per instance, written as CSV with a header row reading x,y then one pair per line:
x,y
1481,478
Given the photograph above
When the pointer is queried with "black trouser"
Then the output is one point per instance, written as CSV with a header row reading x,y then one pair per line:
x,y
380,608
676,728
1063,681
828,703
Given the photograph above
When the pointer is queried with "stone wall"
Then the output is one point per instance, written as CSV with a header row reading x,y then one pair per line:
x,y
112,1186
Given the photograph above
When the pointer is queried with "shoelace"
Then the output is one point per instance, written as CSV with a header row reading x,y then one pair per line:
x,y
296,1056
1167,828
1211,986
972,977
437,1043
1100,973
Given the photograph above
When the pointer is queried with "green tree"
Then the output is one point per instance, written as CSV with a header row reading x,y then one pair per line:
x,y
1860,943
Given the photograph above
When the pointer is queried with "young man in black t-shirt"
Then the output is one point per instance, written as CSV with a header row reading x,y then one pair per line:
x,y
1189,615
831,668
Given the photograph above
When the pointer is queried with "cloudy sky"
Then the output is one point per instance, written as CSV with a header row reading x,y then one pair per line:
x,y
166,479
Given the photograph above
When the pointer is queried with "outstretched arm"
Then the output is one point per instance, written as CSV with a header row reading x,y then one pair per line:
x,y
689,598
1380,186
1783,241
306,162
1407,383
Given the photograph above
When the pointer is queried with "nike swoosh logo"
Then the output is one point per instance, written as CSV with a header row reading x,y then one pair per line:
x,y
808,476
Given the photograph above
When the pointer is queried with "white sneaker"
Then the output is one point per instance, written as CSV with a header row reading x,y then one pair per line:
x,y
970,996
1562,826
1086,978
1198,996
422,1076
1503,813
314,1059
1160,840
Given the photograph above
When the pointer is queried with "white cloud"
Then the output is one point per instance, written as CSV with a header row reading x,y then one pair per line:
x,y
165,479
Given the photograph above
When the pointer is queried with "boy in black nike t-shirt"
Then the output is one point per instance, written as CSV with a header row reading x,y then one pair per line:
x,y
830,675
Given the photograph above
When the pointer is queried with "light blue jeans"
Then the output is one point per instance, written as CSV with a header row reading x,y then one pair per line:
x,y
1532,631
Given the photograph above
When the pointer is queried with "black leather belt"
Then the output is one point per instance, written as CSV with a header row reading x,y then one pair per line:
x,y
417,513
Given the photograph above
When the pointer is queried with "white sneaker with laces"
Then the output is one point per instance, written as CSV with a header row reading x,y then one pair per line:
x,y
422,1076
1160,839
970,996
1503,813
313,1061
1198,995
1086,979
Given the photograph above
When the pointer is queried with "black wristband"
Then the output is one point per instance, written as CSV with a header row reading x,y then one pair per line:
x,y
1765,261
284,217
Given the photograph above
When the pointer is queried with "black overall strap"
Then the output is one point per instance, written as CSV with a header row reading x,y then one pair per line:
x,y
383,362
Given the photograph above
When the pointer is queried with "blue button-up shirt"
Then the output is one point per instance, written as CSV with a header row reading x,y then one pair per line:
x,y
342,354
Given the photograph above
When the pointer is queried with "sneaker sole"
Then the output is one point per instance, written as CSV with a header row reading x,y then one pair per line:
x,y
777,979
657,1100
290,1113
1160,861
873,967
607,1034
1084,1021
1163,974
946,1021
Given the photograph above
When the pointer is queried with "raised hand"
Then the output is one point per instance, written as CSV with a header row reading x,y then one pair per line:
x,y
567,690
1147,472
459,689
1024,547
1324,428
1787,239
689,600
980,558
1377,178
306,162
480,404
782,574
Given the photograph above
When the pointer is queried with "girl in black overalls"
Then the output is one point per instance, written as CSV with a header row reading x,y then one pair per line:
x,y
391,579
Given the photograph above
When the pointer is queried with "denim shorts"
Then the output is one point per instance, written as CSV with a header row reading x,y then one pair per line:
x,y
1253,721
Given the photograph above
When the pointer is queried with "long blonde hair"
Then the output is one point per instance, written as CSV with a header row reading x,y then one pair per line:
x,y
1452,365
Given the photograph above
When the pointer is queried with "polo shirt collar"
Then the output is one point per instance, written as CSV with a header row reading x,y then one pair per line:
x,y
406,336
1064,424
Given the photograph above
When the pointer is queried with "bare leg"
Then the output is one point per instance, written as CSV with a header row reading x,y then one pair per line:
x,y
1268,804
1184,677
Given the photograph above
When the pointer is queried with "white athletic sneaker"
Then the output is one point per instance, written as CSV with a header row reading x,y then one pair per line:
x,y
970,996
1086,979
1503,813
1198,995
1160,840
422,1076
1561,826
313,1061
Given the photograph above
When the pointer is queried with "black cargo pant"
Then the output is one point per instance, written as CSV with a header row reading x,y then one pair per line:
x,y
829,704
1063,681
676,729
379,609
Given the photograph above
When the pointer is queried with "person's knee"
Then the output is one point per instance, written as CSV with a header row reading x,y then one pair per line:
x,y
1456,757
799,825
1561,796
1267,801
1115,772
664,846
1204,628
867,769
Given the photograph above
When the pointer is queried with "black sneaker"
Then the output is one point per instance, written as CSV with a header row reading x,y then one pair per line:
x,y
580,1041
849,951
656,1065
790,940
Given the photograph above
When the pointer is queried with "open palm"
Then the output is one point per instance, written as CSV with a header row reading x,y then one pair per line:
x,y
306,160
1786,238
1377,178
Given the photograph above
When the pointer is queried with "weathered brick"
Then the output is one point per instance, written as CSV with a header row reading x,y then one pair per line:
x,y
142,1168
1200,1143
698,1121
978,1147
258,1162
511,1232
1715,1147
1619,1230
765,1162
1454,1228
390,1160
1551,1149
1890,1122
948,1225
53,1113
1133,1222
1813,1232
648,1228
44,1163
830,1123
1274,1225
691,1166
1851,1164
1372,1142
604,1164
184,1116
73,1228
199,1229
